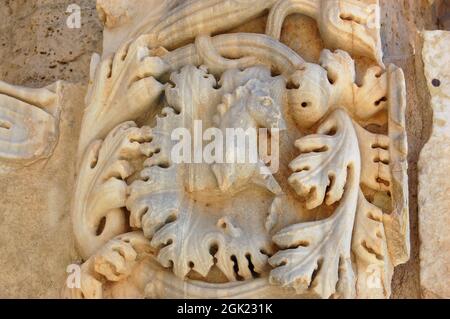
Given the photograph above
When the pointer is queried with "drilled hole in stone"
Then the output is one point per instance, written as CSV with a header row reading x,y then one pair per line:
x,y
436,83
94,163
383,99
213,249
101,226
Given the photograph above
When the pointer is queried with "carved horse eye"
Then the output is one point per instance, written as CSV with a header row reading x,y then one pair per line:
x,y
266,101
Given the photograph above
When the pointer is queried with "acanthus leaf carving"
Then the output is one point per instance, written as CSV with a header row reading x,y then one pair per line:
x,y
101,189
375,172
397,223
114,262
316,255
319,89
124,86
373,264
320,172
353,26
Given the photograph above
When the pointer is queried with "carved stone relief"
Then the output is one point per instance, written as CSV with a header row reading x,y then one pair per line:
x,y
331,222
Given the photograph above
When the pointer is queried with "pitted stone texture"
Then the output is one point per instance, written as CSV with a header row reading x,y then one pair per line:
x,y
37,47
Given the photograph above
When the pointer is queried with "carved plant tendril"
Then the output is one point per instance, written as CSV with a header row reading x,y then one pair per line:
x,y
241,50
207,17
347,25
211,57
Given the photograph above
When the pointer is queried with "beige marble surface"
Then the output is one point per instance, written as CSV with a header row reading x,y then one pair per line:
x,y
434,172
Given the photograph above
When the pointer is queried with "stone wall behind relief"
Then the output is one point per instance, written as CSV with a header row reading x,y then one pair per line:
x,y
37,49
36,46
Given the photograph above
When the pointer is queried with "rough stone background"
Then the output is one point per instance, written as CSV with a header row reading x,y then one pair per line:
x,y
434,203
37,48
